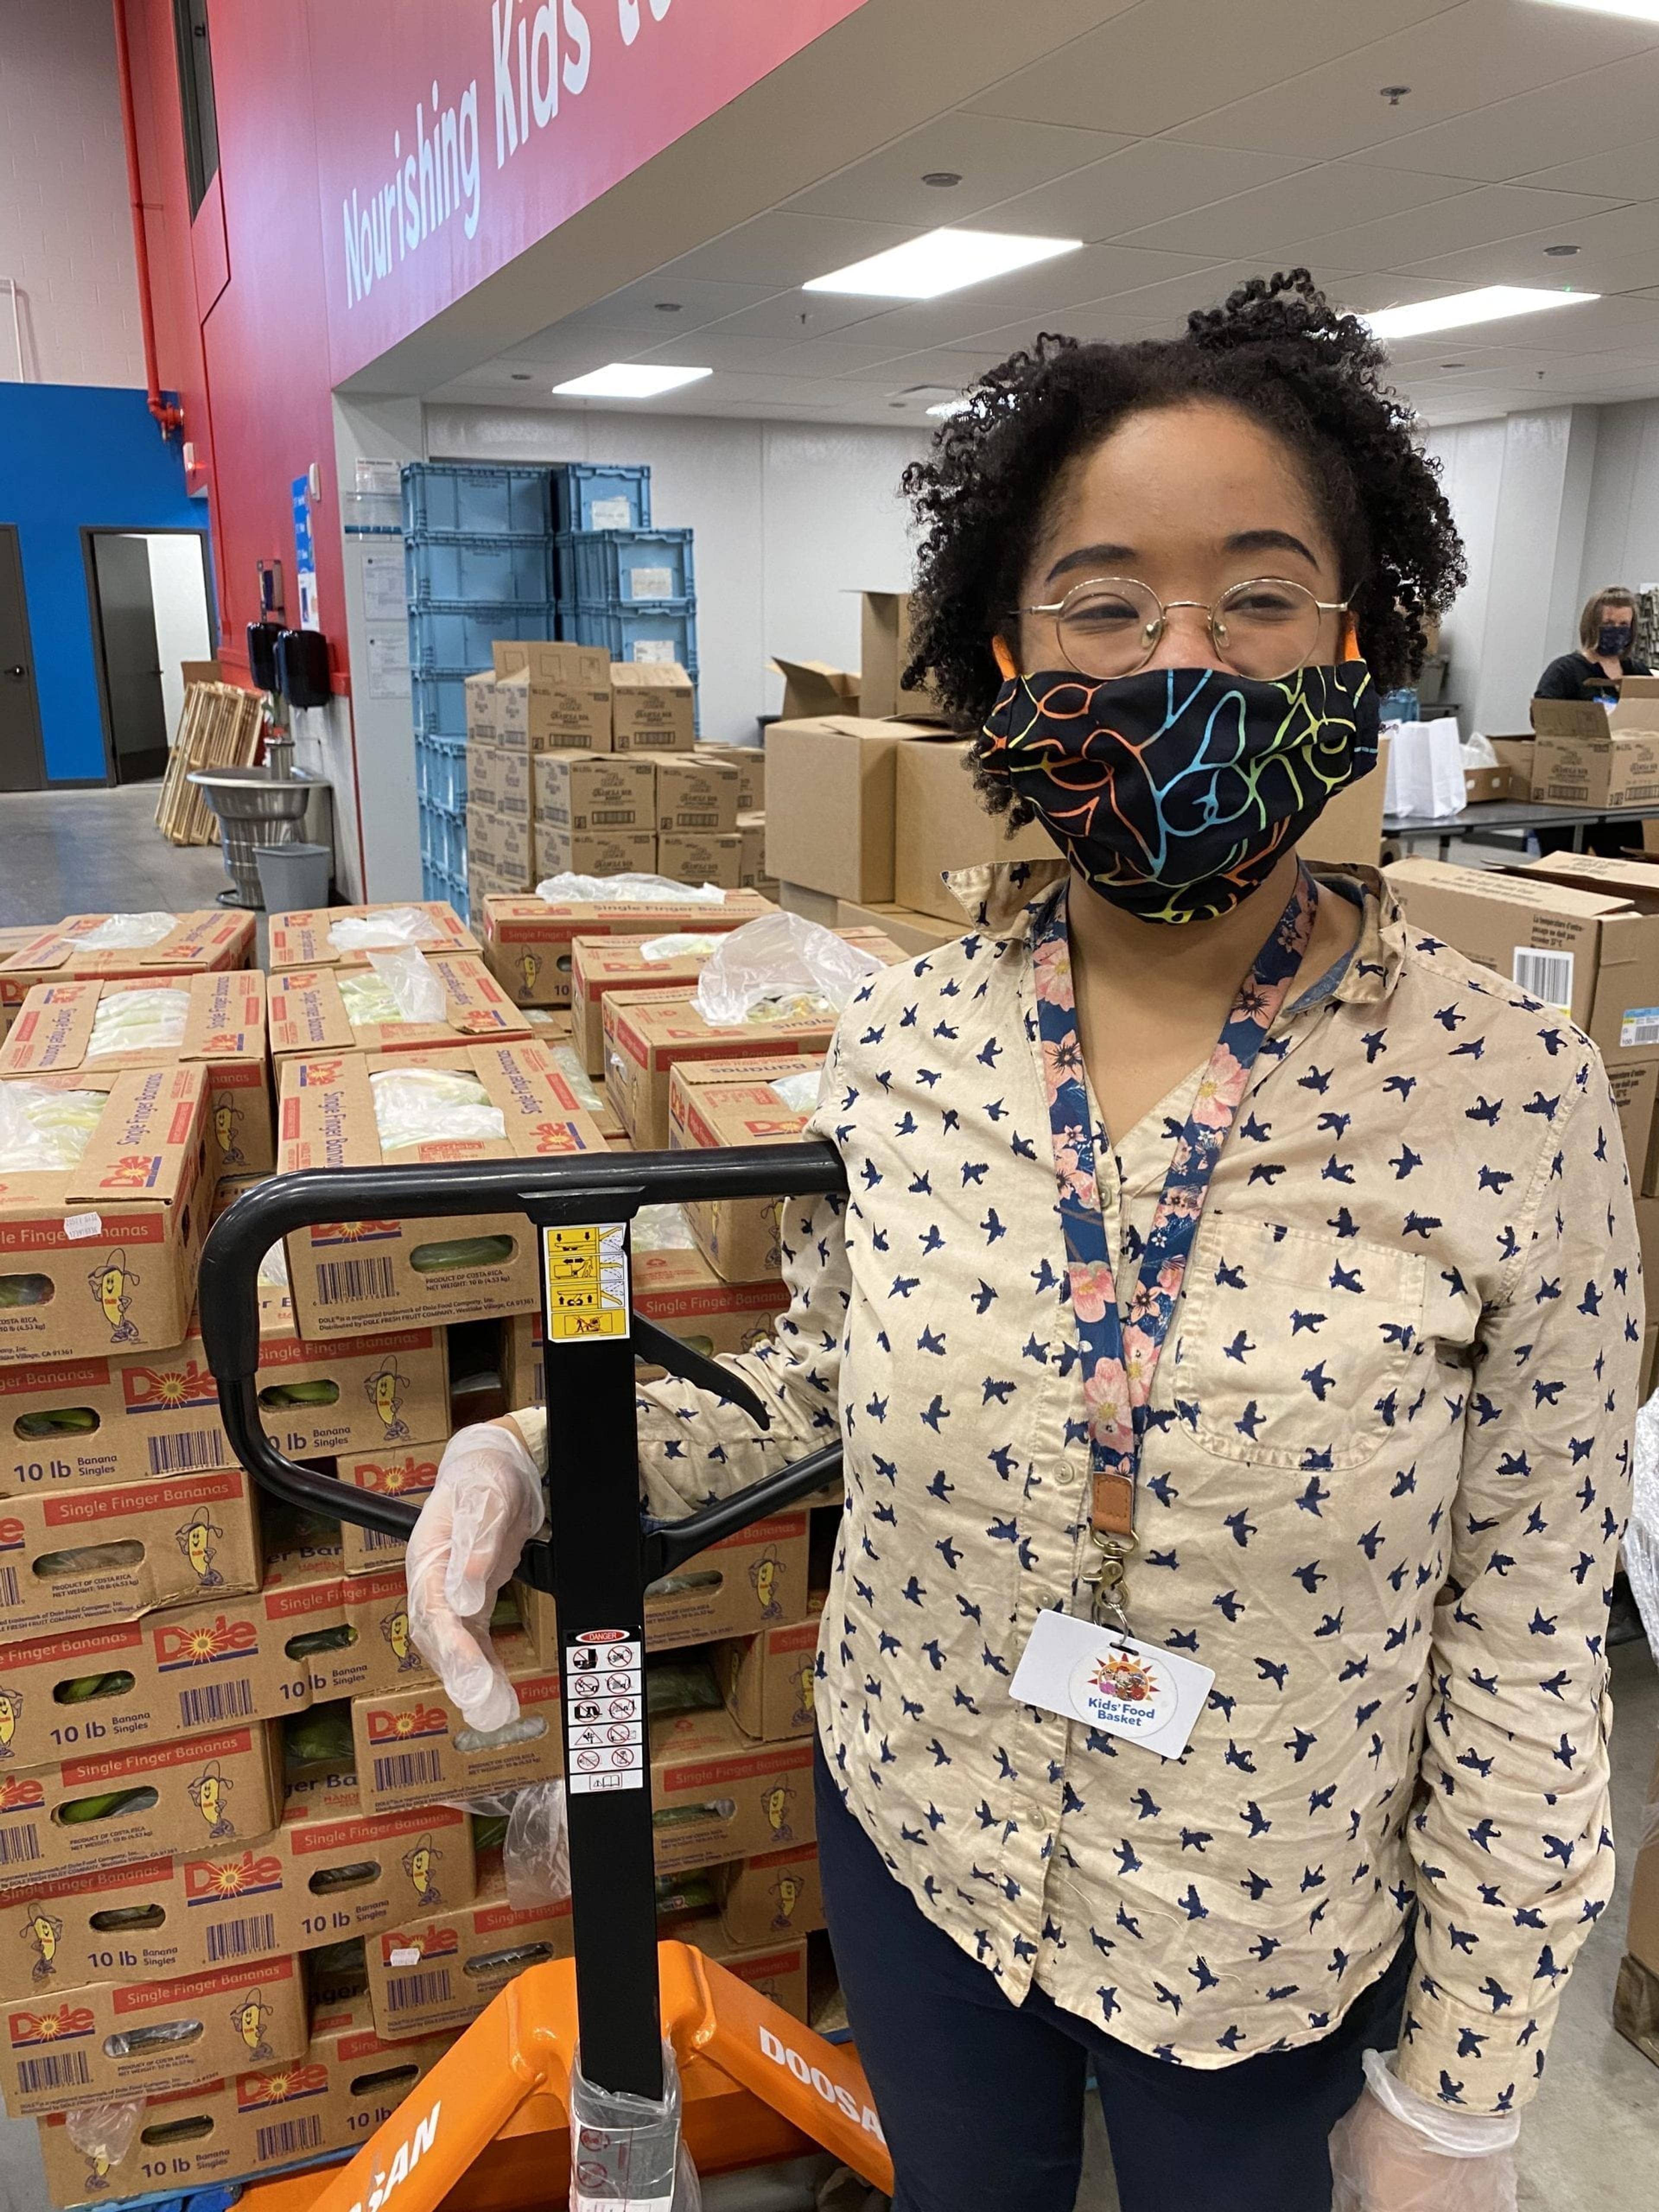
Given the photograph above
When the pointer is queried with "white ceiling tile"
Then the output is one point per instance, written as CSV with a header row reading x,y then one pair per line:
x,y
634,308
1329,197
1468,225
787,249
994,154
1145,183
1625,173
1611,106
790,314
1168,60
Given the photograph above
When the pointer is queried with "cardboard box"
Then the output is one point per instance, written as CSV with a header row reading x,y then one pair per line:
x,y
1642,1936
204,942
645,1035
304,937
1515,755
750,762
176,1539
694,856
129,1805
500,781
106,2040
767,1680
652,708
254,2123
718,1797
433,1975
941,824
883,651
821,907
1589,754
715,1103
312,1012
1649,1358
480,692
1594,954
777,1894
414,1748
312,1882
1349,826
224,1032
594,794
551,660
776,1968
1635,1087
1481,784
347,1276
695,794
408,1473
534,717
751,865
812,687
501,846
830,806
912,933
528,940
105,1252
594,851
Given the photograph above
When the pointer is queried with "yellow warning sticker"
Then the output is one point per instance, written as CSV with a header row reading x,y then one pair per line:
x,y
586,1272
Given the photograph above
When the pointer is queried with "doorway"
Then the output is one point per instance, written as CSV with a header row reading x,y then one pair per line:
x,y
151,615
23,763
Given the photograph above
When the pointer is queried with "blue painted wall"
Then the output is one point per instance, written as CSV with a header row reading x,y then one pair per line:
x,y
75,456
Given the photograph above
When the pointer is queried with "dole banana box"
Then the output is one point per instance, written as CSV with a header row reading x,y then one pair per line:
x,y
100,1257
205,941
407,1471
122,1551
317,1880
121,1415
324,1010
716,1796
767,1680
527,940
124,2039
312,937
345,1276
776,1968
256,2121
87,1814
413,1746
714,1104
773,1897
646,1035
71,1028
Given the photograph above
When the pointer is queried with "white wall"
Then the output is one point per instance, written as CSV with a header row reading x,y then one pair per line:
x,y
793,521
1621,535
178,584
65,231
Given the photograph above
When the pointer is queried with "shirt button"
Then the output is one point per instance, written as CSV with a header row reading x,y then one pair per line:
x,y
1068,1472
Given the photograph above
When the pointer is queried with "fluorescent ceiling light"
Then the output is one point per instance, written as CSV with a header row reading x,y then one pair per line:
x,y
629,380
957,406
1644,11
1491,303
942,261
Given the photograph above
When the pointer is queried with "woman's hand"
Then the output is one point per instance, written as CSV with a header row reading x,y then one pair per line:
x,y
1398,2152
485,1507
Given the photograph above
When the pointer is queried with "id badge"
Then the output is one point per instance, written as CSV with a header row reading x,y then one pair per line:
x,y
1112,1682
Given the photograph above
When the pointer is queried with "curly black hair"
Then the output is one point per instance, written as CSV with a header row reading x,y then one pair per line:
x,y
1276,348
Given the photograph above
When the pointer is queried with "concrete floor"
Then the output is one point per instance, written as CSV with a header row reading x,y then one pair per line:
x,y
1592,2138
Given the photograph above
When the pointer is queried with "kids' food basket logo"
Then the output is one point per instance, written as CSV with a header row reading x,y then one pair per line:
x,y
1122,1688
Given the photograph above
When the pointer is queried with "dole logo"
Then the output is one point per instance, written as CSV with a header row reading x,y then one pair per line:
x,y
387,1727
255,2092
132,1171
353,1232
63,2025
406,1474
209,1880
11,1534
17,1792
200,1646
145,1389
436,1943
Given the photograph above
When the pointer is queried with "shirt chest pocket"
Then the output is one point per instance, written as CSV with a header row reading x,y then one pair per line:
x,y
1289,1339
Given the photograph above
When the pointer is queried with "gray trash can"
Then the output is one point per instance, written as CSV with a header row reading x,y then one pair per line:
x,y
291,876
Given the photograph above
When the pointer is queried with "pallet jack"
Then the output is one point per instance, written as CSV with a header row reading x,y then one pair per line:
x,y
487,2129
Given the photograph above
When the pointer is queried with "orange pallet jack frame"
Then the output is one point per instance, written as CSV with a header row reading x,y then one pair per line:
x,y
487,2128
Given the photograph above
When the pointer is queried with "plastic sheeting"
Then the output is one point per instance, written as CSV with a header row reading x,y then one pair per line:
x,y
126,932
44,1131
626,890
392,926
150,1018
778,967
431,1105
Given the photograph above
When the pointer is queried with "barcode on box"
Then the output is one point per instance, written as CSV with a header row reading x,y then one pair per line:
x,y
190,1451
684,820
289,2138
373,1539
414,1992
408,1770
1546,975
612,817
243,1939
214,1701
9,1594
58,2069
342,1282
1639,1026
18,1845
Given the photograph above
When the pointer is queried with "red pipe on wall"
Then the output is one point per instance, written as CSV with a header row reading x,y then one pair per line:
x,y
168,417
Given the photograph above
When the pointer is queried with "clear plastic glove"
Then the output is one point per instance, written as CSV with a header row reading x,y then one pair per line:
x,y
1398,2152
485,1507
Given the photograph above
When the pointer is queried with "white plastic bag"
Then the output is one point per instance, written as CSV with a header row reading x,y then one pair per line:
x,y
149,1018
779,965
799,1093
1477,751
427,1105
1426,770
626,890
103,2135
676,944
420,994
662,1229
626,2152
391,926
536,1852
124,933
1641,1536
43,1131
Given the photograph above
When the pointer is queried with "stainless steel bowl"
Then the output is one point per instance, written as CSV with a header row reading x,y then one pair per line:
x,y
254,808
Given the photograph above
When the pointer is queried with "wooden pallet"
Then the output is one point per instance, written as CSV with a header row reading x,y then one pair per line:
x,y
1636,2006
220,727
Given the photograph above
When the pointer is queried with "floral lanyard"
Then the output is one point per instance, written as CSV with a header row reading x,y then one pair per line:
x,y
1120,1361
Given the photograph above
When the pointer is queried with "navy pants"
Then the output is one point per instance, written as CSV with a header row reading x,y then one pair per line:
x,y
981,2101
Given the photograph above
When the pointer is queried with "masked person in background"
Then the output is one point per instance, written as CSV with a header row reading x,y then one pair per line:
x,y
1606,647
1266,1388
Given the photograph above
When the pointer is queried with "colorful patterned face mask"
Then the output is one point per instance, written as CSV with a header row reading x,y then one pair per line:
x,y
1174,792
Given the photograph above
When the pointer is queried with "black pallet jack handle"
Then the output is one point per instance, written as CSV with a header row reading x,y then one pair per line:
x,y
601,1551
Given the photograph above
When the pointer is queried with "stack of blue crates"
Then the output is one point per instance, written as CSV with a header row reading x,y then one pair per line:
x,y
478,549
622,585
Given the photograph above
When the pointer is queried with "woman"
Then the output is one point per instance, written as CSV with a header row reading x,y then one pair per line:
x,y
1221,1258
1606,633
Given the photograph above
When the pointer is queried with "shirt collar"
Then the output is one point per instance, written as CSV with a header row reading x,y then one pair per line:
x,y
1004,898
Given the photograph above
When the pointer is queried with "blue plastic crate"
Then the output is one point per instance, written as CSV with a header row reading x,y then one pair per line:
x,y
441,771
585,496
623,630
443,838
503,571
440,697
624,568
458,635
438,884
446,498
